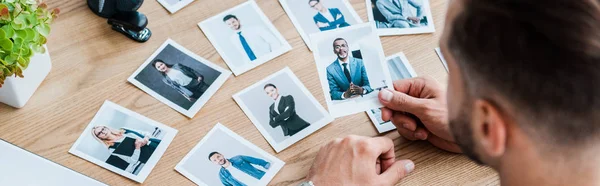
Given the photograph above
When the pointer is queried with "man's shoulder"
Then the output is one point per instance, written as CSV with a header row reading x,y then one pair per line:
x,y
332,65
357,61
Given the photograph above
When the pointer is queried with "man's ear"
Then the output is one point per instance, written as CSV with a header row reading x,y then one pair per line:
x,y
490,128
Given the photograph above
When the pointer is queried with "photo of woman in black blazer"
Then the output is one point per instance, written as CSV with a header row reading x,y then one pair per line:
x,y
188,82
129,149
283,112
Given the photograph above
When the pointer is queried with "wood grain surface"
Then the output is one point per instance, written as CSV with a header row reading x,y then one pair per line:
x,y
91,64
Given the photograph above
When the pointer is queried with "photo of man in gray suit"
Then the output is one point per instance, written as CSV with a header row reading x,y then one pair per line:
x,y
283,112
400,14
347,76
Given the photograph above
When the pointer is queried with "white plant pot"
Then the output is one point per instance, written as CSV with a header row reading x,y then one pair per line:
x,y
17,91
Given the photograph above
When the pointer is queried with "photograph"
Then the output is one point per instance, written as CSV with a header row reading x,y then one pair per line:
x,y
400,17
179,78
239,163
400,68
351,67
244,37
174,5
441,56
313,16
123,142
282,109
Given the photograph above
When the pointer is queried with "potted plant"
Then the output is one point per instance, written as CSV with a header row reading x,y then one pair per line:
x,y
24,60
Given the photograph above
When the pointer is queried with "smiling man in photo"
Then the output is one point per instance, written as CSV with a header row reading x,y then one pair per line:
x,y
347,76
238,170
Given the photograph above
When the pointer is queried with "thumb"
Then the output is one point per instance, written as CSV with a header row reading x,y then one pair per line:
x,y
397,171
399,101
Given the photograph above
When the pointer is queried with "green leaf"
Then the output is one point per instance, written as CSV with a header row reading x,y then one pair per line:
x,y
10,32
20,34
9,1
6,44
43,29
2,34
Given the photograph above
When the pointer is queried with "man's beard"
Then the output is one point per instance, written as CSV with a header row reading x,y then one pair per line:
x,y
463,134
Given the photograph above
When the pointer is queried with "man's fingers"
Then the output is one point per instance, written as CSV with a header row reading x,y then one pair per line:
x,y
409,135
396,172
386,114
399,101
444,144
384,148
403,121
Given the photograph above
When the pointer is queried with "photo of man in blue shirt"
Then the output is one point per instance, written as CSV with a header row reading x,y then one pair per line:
x,y
238,170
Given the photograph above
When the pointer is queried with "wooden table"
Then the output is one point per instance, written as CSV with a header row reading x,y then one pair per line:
x,y
91,64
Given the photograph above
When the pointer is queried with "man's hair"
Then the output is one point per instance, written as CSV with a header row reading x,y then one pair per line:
x,y
338,39
211,154
269,85
541,57
229,16
313,0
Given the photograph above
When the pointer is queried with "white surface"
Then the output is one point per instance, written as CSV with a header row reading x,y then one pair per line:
x,y
156,155
212,89
397,63
17,91
174,5
280,145
219,34
20,167
213,142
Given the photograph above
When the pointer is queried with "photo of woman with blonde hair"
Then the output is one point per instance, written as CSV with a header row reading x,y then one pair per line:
x,y
129,149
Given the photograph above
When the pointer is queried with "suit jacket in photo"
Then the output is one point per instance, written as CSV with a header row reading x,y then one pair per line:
x,y
341,22
287,117
338,83
188,72
126,148
392,10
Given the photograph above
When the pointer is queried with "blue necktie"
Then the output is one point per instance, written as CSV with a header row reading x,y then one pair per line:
x,y
247,47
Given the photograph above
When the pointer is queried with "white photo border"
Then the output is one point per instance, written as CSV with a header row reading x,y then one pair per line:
x,y
239,70
441,56
156,155
200,102
403,31
387,126
174,8
305,37
278,147
276,166
338,110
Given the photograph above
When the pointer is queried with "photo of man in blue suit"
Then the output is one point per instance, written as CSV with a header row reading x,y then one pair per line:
x,y
327,18
239,170
347,76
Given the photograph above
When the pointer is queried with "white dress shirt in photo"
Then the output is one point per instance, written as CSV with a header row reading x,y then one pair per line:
x,y
179,77
260,40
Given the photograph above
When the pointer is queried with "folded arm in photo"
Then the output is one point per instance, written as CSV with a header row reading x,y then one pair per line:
x,y
268,37
289,110
183,91
256,161
134,158
418,7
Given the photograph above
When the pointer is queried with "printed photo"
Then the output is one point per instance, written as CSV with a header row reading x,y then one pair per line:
x,y
313,16
441,56
400,68
400,17
179,78
282,109
123,142
174,5
244,37
239,163
351,68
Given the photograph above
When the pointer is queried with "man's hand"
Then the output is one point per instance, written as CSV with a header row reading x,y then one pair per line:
x,y
348,92
200,79
356,90
414,19
321,25
358,160
139,143
425,99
